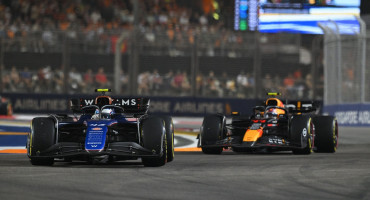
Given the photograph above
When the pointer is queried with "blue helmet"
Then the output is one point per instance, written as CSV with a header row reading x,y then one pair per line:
x,y
107,113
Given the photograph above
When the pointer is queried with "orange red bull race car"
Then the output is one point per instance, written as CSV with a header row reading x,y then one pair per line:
x,y
275,126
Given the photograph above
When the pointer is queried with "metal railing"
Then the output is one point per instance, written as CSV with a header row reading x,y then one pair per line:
x,y
344,64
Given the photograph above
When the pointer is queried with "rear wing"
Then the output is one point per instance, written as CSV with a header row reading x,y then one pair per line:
x,y
302,106
139,106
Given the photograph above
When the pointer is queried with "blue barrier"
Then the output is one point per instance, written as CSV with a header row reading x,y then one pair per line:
x,y
18,129
350,114
13,140
12,137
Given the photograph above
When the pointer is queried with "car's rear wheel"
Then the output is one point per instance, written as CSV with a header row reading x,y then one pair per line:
x,y
168,123
326,129
212,130
42,136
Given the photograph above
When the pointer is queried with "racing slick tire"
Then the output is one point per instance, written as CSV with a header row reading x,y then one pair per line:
x,y
41,137
168,123
302,131
154,138
326,134
212,130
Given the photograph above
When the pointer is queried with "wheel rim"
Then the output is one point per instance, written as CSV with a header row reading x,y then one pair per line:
x,y
335,135
312,131
172,140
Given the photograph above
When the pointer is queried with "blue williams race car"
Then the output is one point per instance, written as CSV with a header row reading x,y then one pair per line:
x,y
108,129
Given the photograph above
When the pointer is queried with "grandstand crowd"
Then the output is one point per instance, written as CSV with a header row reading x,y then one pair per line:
x,y
173,22
178,83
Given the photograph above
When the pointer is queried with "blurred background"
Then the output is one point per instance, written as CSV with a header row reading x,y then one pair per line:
x,y
194,49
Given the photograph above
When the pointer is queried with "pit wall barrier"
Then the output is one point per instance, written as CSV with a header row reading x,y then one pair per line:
x,y
350,114
174,106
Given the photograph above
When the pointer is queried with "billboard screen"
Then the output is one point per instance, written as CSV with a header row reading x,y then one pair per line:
x,y
297,16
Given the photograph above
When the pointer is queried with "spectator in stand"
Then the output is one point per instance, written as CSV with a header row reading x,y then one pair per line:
x,y
299,88
75,81
213,85
7,84
278,83
155,82
185,85
101,79
228,86
177,82
250,86
59,80
268,83
26,79
124,81
199,87
143,83
309,85
289,85
88,81
15,79
168,83
242,84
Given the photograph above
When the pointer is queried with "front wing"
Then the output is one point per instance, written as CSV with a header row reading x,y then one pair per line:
x,y
66,149
271,141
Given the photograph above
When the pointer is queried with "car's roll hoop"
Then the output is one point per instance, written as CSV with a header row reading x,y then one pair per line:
x,y
103,91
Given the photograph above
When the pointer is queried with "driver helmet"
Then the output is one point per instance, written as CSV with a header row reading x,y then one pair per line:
x,y
107,113
272,113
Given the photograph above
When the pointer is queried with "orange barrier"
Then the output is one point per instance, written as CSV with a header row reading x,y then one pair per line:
x,y
23,151
188,149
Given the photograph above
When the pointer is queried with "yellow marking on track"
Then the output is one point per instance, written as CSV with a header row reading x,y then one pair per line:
x,y
13,133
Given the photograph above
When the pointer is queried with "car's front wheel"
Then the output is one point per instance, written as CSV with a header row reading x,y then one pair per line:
x,y
41,137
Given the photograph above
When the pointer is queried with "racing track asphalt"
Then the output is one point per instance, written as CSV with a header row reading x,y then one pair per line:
x,y
193,175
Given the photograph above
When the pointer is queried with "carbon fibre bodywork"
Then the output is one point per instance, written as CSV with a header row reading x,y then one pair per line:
x,y
294,129
107,128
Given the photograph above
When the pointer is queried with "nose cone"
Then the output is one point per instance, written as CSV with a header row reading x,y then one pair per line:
x,y
252,135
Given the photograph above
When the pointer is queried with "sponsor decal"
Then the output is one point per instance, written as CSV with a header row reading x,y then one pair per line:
x,y
97,124
128,102
353,117
40,104
304,132
276,141
193,107
89,102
